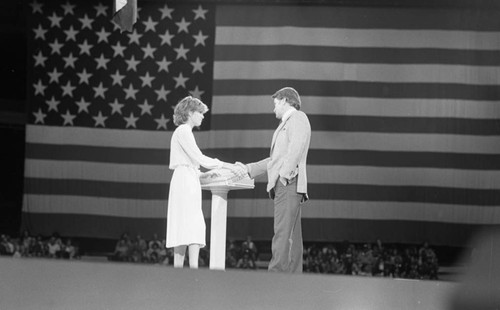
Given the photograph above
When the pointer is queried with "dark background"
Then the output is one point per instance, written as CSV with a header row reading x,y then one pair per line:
x,y
12,113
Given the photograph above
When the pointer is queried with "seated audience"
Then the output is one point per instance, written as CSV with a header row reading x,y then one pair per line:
x,y
376,259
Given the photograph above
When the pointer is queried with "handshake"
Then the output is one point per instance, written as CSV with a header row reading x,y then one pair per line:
x,y
236,171
239,169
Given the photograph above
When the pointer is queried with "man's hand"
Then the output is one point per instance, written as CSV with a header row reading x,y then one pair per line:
x,y
243,169
242,166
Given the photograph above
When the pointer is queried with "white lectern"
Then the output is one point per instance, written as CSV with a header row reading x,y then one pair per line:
x,y
221,182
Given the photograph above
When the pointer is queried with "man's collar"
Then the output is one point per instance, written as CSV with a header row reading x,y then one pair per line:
x,y
287,114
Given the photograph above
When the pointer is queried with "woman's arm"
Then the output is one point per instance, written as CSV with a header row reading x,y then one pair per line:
x,y
188,144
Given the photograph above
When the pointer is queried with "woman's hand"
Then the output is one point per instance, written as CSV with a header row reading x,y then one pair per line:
x,y
209,175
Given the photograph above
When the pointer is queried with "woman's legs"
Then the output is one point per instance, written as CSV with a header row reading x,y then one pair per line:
x,y
179,253
194,253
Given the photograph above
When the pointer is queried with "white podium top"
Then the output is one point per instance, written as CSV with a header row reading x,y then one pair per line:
x,y
225,179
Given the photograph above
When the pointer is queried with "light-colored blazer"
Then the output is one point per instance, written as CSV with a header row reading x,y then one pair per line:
x,y
288,154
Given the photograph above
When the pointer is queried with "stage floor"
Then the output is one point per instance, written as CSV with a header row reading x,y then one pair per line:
x,y
41,284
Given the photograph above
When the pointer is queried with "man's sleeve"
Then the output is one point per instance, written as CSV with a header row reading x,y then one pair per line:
x,y
258,168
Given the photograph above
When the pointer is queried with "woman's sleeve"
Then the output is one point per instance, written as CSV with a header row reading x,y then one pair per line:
x,y
188,144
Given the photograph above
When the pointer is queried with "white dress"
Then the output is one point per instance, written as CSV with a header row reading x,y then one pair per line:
x,y
185,221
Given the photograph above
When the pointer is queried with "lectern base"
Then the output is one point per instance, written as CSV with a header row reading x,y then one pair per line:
x,y
218,230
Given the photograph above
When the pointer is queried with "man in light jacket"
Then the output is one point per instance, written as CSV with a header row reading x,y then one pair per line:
x,y
287,179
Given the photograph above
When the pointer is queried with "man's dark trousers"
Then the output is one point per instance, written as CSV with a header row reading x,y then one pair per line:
x,y
287,247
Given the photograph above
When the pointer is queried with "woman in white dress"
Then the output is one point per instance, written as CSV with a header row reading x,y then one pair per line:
x,y
185,221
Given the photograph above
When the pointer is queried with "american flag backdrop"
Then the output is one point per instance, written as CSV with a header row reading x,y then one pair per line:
x,y
403,104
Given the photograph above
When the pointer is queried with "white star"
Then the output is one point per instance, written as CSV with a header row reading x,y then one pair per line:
x,y
39,88
40,32
148,51
101,9
134,37
71,34
117,78
163,64
132,63
40,59
162,93
101,62
180,81
68,8
99,91
56,47
54,76
199,13
37,7
165,12
131,120
162,122
181,52
39,116
85,48
130,92
146,79
196,92
200,39
84,76
70,61
86,22
53,103
68,89
197,65
183,26
116,107
145,108
68,118
55,20
166,38
99,119
118,48
150,25
103,35
82,105
116,27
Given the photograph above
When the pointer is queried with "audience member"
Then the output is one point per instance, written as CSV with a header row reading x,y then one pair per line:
x,y
54,246
39,247
6,245
249,245
246,261
232,254
68,250
154,240
121,252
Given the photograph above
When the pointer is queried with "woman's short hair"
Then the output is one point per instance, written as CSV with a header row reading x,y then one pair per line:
x,y
185,106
